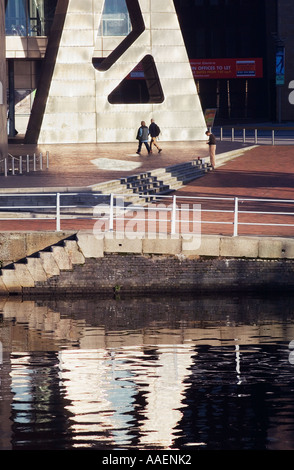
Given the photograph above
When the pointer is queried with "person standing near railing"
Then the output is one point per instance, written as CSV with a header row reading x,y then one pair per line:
x,y
212,147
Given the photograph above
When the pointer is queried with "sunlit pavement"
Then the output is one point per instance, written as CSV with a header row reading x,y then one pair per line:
x,y
262,172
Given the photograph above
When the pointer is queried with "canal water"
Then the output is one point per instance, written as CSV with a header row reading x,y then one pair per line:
x,y
158,373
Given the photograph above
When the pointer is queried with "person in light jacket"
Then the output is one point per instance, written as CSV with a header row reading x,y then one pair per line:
x,y
142,137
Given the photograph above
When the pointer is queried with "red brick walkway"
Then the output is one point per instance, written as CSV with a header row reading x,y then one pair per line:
x,y
265,172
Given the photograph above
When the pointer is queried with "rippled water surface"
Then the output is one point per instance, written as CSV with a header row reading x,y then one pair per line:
x,y
201,373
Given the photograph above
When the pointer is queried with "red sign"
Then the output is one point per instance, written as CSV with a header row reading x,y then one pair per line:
x,y
227,68
217,68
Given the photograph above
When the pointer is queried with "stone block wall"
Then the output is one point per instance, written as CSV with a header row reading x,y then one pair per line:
x,y
146,274
84,264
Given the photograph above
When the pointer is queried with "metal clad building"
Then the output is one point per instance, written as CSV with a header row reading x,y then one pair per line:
x,y
91,70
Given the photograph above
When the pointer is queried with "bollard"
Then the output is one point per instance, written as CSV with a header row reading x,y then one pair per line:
x,y
244,136
28,163
273,137
47,159
233,134
34,162
255,136
5,166
20,165
12,165
221,133
41,161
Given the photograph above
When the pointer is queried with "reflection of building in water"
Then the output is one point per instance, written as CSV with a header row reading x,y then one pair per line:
x,y
166,387
102,390
119,376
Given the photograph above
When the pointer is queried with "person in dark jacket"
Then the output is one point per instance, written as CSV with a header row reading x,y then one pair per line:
x,y
142,137
212,146
154,132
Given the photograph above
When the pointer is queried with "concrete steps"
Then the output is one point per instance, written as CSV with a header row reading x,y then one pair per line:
x,y
40,266
138,189
165,180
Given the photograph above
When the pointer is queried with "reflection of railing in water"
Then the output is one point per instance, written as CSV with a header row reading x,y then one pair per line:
x,y
18,165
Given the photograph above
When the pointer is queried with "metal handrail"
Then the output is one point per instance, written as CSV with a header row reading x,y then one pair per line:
x,y
174,209
256,135
21,160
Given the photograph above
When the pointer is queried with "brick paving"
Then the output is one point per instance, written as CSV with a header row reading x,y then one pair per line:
x,y
263,171
72,165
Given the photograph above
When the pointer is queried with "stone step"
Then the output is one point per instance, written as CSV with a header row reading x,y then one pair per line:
x,y
158,181
40,266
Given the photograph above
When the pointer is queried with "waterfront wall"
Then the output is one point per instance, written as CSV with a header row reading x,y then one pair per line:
x,y
82,264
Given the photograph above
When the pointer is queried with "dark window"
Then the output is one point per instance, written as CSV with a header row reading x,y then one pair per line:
x,y
29,17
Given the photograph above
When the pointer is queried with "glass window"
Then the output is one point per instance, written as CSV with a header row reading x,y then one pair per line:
x,y
115,19
16,18
29,17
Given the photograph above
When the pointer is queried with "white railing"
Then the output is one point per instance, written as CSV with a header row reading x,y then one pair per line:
x,y
173,212
256,136
19,165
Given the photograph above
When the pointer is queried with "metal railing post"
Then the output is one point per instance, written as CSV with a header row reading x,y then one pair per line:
x,y
255,136
221,133
174,215
244,136
273,137
235,234
34,157
28,163
111,213
41,161
58,212
5,167
47,159
233,134
20,165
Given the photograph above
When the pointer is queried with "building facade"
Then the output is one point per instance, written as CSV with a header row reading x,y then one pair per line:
x,y
3,108
90,71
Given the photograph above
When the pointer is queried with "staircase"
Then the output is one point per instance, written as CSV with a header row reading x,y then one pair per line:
x,y
155,182
137,189
40,266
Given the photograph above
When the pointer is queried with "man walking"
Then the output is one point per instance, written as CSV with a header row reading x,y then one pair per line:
x,y
212,146
142,137
154,132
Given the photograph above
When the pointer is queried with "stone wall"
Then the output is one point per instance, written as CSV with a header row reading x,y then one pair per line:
x,y
84,264
120,274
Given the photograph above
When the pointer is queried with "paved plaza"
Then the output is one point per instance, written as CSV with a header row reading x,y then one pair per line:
x,y
242,170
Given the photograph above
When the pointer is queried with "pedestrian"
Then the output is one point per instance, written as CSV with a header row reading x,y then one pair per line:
x,y
212,146
154,132
142,137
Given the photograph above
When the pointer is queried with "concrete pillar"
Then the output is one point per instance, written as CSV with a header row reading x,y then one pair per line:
x,y
3,104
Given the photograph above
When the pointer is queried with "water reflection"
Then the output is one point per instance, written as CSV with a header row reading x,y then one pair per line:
x,y
147,373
